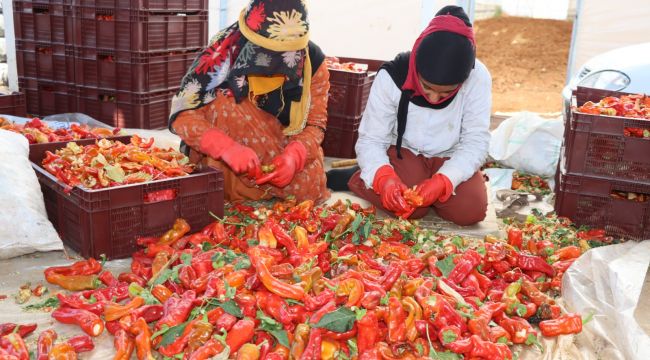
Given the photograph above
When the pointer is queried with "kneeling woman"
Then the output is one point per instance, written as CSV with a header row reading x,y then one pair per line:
x,y
426,126
258,96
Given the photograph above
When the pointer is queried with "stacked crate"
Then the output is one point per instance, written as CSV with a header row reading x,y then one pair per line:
x,y
123,59
45,55
347,100
600,160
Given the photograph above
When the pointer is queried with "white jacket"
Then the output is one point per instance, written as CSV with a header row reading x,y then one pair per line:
x,y
460,131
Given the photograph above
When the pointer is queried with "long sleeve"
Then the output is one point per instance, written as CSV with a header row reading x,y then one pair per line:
x,y
191,124
471,151
314,132
377,126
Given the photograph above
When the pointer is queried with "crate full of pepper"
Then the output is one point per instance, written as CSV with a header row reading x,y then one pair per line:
x,y
101,194
295,281
38,131
608,135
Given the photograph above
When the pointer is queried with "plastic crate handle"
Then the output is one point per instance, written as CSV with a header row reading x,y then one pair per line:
x,y
160,196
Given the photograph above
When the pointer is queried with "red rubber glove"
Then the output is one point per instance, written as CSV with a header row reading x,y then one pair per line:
x,y
291,161
390,188
438,188
241,159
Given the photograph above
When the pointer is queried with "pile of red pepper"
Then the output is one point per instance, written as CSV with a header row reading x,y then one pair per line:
x,y
294,281
110,163
632,106
38,132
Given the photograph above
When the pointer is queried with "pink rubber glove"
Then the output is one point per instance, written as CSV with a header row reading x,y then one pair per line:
x,y
390,188
437,188
241,159
291,161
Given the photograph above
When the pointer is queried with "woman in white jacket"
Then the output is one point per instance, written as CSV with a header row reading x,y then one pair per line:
x,y
426,126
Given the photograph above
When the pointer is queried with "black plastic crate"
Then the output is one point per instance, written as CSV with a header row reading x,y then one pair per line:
x,y
108,221
49,22
131,71
596,145
45,61
147,5
130,30
341,138
349,91
47,97
13,104
126,109
588,200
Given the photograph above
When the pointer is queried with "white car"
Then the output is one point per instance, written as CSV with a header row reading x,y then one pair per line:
x,y
624,69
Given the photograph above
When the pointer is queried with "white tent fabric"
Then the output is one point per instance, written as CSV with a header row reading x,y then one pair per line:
x,y
604,25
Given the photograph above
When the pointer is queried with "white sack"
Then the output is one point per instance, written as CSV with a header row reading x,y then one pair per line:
x,y
608,282
529,143
24,227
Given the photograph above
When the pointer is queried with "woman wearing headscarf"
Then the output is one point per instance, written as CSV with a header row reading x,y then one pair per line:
x,y
426,126
257,95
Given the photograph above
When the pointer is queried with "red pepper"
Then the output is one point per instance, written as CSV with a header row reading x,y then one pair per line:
x,y
313,303
339,336
515,238
488,350
107,278
564,325
327,308
225,322
124,345
45,342
240,334
396,321
367,332
518,328
90,323
14,347
142,339
81,343
393,273
247,303
534,263
479,324
132,278
313,349
22,330
149,313
75,302
186,276
84,267
178,345
271,283
176,310
210,349
468,262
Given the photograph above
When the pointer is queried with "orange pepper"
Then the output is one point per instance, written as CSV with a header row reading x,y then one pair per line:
x,y
178,230
161,293
248,351
266,237
142,334
114,311
353,288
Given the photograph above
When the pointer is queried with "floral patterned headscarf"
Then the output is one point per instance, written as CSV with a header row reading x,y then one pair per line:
x,y
270,38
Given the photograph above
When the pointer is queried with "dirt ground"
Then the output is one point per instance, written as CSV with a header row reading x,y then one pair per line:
x,y
527,59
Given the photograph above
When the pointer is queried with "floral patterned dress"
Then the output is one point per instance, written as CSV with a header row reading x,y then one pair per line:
x,y
249,125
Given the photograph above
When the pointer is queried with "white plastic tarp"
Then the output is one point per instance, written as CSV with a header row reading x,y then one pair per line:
x,y
608,281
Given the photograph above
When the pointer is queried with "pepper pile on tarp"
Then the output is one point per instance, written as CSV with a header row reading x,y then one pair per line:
x,y
304,282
